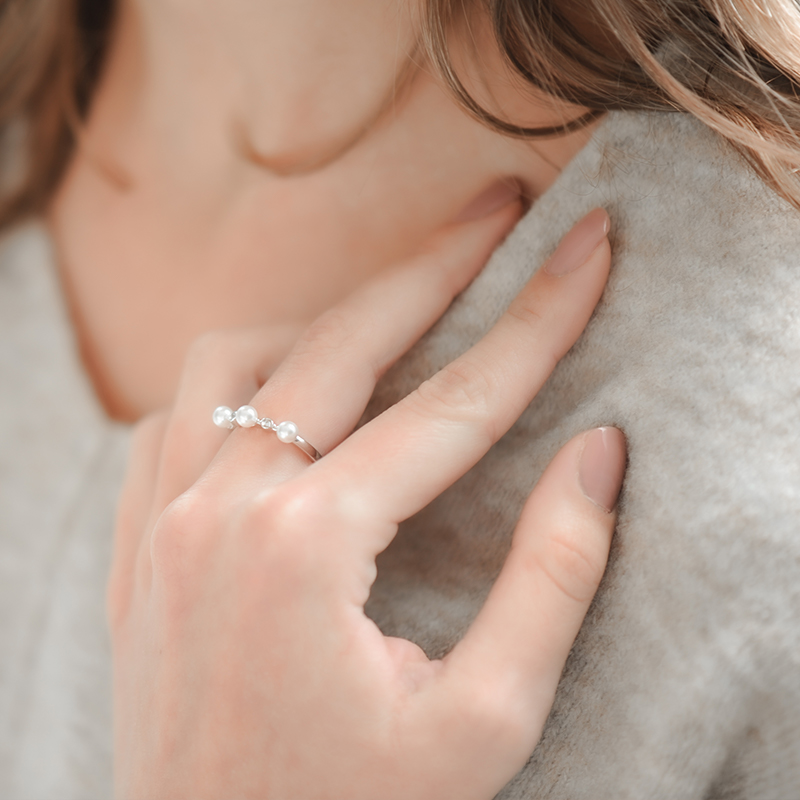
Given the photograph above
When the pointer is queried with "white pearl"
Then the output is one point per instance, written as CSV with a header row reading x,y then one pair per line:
x,y
287,432
223,417
246,416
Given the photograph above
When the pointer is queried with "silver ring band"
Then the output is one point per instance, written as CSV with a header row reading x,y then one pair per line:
x,y
247,417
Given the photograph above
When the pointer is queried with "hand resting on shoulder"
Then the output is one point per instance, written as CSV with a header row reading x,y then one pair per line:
x,y
244,664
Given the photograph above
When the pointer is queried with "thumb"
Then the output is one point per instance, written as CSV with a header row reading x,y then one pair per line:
x,y
516,648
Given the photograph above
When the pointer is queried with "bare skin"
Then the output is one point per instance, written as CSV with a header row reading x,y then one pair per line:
x,y
244,663
210,193
248,165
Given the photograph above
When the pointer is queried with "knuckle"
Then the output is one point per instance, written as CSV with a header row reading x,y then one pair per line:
x,y
462,389
547,342
436,247
212,346
288,509
281,527
182,533
289,523
525,309
329,333
572,564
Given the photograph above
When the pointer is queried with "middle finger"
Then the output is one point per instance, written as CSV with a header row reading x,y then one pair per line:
x,y
325,383
415,450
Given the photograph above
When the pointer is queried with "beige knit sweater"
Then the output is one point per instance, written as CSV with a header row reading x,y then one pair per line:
x,y
685,681
61,464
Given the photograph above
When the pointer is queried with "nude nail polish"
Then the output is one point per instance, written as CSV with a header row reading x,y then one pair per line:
x,y
602,466
497,196
576,247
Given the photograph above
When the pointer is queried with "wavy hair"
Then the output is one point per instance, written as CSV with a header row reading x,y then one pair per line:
x,y
733,64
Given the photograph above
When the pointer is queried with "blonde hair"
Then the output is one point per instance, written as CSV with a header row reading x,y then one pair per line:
x,y
733,64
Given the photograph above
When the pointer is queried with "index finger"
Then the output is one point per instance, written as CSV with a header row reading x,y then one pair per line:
x,y
412,452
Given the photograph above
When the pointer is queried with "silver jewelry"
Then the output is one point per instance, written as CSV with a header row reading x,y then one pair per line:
x,y
247,417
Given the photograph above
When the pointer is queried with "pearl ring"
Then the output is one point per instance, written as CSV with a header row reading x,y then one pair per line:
x,y
247,417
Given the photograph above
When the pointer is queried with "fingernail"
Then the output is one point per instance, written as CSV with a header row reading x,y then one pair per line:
x,y
602,466
497,196
579,243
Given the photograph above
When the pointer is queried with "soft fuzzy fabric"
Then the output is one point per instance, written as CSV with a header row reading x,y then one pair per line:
x,y
685,680
61,463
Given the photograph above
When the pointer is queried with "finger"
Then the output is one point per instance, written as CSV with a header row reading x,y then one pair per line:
x,y
324,385
416,449
222,368
133,510
521,638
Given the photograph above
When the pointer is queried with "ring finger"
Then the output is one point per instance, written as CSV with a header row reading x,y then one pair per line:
x,y
325,383
438,432
232,364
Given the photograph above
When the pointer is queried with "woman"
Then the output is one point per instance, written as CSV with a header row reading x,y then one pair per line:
x,y
134,370
47,757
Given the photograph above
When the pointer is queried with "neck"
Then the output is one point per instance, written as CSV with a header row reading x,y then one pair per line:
x,y
250,163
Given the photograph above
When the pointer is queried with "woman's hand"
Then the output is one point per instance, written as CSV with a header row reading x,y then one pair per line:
x,y
244,663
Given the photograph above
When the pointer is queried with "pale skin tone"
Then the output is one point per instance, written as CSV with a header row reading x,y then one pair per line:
x,y
211,195
244,663
194,237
